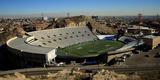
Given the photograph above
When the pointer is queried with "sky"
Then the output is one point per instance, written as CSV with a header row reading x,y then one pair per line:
x,y
79,7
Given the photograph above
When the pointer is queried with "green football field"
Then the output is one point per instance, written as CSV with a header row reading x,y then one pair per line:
x,y
91,48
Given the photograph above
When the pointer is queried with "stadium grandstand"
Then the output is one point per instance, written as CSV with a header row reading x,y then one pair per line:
x,y
61,44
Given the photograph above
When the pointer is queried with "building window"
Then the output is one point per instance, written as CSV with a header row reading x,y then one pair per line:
x,y
72,32
48,36
54,35
82,35
85,31
60,34
42,37
60,39
49,42
79,32
71,36
44,43
39,45
77,36
88,34
66,33
35,39
54,40
65,37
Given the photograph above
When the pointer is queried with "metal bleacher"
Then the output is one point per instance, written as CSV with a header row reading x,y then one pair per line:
x,y
62,37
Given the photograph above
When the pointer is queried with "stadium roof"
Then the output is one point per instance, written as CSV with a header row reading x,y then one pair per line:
x,y
19,44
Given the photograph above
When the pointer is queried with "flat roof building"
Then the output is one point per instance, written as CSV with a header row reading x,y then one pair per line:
x,y
151,41
144,30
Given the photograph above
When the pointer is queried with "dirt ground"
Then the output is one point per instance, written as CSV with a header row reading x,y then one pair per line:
x,y
78,75
135,60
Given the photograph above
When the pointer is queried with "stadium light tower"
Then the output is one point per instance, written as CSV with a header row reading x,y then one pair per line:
x,y
42,15
157,17
68,14
140,20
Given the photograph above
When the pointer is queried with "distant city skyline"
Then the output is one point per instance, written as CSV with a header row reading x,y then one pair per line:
x,y
79,7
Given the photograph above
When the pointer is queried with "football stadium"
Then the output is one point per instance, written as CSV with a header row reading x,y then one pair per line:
x,y
61,45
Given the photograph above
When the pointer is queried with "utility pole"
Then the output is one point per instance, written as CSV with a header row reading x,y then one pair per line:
x,y
42,16
157,17
68,14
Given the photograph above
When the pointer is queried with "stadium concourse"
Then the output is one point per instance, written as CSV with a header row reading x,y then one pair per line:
x,y
61,44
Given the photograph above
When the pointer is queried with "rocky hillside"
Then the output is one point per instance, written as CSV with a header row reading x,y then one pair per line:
x,y
11,30
78,75
101,28
75,75
17,28
97,27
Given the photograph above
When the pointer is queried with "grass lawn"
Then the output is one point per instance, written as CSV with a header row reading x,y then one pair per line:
x,y
91,48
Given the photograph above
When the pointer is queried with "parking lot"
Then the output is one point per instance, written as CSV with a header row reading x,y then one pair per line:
x,y
150,58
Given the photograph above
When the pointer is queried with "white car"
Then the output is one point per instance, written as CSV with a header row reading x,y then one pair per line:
x,y
61,64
